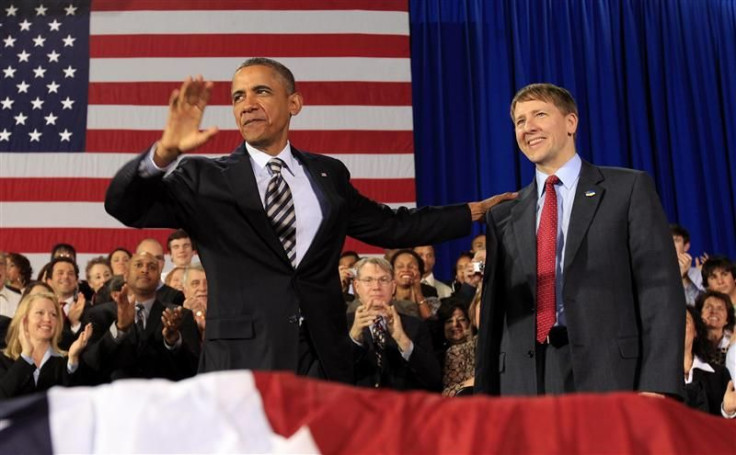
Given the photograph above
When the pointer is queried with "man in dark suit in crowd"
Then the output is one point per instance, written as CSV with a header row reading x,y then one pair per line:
x,y
275,300
164,292
390,349
582,290
137,336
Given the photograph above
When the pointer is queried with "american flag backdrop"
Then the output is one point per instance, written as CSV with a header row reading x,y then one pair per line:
x,y
84,87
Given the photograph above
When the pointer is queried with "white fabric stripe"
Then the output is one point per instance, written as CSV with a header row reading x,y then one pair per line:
x,y
153,118
220,69
126,416
254,21
105,165
70,215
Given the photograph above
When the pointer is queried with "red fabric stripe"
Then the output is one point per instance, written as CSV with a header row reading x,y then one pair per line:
x,y
352,420
333,142
164,5
315,93
41,240
312,45
93,190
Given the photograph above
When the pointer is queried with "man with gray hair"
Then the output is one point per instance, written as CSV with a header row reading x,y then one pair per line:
x,y
390,350
195,293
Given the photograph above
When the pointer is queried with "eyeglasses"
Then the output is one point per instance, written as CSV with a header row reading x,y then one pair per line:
x,y
383,281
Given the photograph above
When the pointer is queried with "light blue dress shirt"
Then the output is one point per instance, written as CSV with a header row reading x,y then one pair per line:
x,y
569,174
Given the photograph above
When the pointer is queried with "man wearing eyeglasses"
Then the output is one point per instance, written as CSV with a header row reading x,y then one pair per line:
x,y
391,350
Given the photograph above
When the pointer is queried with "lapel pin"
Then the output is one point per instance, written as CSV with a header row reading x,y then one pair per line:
x,y
589,193
323,174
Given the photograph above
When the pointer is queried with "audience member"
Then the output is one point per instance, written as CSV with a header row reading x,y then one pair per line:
x,y
138,336
118,259
459,362
718,315
427,254
181,248
98,272
63,278
707,386
18,271
408,270
459,270
64,250
692,281
9,300
390,350
32,360
719,274
347,273
174,278
478,243
164,293
195,293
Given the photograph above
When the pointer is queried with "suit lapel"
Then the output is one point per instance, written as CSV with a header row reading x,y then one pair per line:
x,y
588,196
524,216
242,181
326,195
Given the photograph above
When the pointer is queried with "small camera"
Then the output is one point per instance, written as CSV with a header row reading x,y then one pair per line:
x,y
478,267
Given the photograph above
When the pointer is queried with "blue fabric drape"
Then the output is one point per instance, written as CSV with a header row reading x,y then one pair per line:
x,y
655,82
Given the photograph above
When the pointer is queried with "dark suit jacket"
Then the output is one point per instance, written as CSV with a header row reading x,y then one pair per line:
x,y
140,355
4,325
622,294
16,376
255,295
422,371
706,390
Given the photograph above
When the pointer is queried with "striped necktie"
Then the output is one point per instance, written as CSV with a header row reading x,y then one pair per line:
x,y
280,209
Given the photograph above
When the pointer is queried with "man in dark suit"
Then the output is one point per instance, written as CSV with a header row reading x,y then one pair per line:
x,y
164,292
390,349
582,291
271,306
137,336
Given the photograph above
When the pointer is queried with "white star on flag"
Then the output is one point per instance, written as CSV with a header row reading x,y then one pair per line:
x,y
35,135
5,135
54,26
37,103
51,119
69,41
23,87
20,119
53,56
23,56
7,103
69,72
25,26
53,87
67,103
41,10
38,41
66,135
39,71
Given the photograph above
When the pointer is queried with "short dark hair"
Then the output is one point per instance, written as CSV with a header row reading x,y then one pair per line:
x,y
55,261
714,263
449,306
463,254
419,259
550,93
678,230
730,315
176,235
63,247
24,266
350,254
283,71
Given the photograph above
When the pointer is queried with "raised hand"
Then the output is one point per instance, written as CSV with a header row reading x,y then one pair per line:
x,y
171,321
684,261
25,339
182,133
126,309
75,311
478,209
79,344
729,399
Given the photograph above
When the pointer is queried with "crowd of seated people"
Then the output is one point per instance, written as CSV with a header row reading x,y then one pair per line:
x,y
130,318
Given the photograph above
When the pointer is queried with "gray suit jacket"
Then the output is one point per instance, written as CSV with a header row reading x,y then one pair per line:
x,y
623,299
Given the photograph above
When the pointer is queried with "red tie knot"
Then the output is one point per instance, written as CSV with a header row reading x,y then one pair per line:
x,y
552,180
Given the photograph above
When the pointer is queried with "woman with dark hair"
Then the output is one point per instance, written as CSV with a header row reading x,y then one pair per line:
x,y
716,310
118,260
32,360
408,270
459,365
707,386
18,271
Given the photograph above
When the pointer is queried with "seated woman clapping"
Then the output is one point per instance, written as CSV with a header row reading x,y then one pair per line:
x,y
32,360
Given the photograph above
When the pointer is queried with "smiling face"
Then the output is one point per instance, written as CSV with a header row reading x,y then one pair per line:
x,y
714,313
457,327
406,269
263,106
545,134
43,319
181,251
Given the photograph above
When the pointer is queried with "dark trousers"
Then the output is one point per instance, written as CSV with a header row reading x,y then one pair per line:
x,y
554,364
309,365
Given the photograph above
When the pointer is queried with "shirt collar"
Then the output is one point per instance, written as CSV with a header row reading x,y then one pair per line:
x,y
568,174
261,158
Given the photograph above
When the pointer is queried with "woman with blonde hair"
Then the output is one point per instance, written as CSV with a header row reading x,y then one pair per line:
x,y
32,360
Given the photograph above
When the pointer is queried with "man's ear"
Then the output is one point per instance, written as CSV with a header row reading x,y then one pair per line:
x,y
296,102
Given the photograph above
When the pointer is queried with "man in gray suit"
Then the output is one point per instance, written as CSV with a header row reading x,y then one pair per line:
x,y
582,291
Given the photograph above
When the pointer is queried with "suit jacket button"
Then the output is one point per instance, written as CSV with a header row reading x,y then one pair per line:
x,y
530,353
293,319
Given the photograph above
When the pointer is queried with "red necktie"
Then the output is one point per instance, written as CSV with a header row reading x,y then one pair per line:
x,y
546,254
